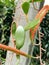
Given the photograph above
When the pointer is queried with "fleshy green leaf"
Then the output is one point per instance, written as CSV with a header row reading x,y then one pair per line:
x,y
13,28
31,24
25,7
19,37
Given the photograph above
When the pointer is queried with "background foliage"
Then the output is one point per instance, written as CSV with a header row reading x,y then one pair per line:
x,y
45,42
7,8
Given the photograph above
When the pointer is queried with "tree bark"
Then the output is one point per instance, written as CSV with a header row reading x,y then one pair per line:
x,y
21,20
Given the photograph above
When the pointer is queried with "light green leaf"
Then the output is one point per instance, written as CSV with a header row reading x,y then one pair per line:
x,y
19,37
25,7
31,24
6,2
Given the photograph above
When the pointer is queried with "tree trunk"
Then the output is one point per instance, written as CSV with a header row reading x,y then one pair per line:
x,y
21,20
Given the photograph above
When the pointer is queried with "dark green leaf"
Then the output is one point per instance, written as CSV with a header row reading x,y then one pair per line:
x,y
25,7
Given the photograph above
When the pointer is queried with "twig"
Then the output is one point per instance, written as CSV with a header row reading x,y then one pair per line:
x,y
35,7
36,57
0,62
4,47
35,44
43,49
40,47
